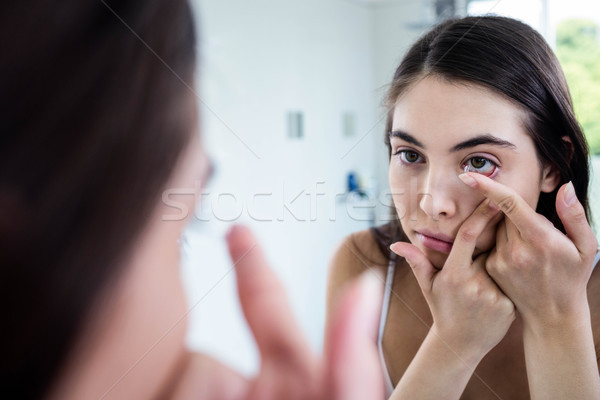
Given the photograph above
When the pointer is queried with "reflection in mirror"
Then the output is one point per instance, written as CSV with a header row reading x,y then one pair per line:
x,y
324,58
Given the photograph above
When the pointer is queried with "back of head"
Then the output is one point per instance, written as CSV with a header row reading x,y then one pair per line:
x,y
513,60
94,117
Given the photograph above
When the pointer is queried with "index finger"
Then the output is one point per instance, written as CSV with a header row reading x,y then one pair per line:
x,y
524,218
351,355
264,302
470,230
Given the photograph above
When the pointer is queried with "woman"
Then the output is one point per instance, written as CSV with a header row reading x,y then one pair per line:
x,y
98,120
491,294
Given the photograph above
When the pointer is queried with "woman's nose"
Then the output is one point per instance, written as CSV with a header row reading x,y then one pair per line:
x,y
437,197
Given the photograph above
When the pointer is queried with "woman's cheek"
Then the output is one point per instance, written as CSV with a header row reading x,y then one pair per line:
x,y
399,206
404,187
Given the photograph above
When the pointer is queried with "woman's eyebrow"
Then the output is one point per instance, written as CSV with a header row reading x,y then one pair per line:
x,y
406,137
472,142
483,139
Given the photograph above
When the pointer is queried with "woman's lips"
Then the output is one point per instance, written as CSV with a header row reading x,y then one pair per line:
x,y
435,241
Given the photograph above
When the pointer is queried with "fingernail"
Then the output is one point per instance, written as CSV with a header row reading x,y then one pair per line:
x,y
468,180
492,206
569,195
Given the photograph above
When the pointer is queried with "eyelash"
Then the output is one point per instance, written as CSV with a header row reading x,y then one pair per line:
x,y
487,160
402,153
464,167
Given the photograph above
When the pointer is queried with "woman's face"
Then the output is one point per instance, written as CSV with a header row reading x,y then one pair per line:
x,y
440,129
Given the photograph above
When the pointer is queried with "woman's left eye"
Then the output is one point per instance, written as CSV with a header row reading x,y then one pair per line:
x,y
481,165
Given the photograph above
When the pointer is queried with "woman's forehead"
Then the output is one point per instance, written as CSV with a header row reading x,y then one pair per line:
x,y
437,111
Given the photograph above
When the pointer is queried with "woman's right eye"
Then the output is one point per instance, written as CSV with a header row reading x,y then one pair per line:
x,y
409,156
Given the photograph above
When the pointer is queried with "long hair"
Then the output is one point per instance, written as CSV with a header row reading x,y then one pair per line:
x,y
509,58
93,123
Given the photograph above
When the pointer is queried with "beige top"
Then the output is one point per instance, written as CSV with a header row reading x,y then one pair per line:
x,y
501,373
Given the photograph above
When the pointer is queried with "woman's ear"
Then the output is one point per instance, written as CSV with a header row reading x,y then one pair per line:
x,y
550,175
550,179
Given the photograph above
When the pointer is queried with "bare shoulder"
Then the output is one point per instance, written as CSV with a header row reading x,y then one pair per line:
x,y
360,248
355,254
593,290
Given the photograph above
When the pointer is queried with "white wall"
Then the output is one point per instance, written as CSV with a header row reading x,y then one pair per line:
x,y
396,25
260,59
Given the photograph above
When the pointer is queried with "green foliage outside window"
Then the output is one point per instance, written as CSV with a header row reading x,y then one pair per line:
x,y
578,49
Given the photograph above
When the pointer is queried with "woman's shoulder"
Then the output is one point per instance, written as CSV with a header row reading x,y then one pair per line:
x,y
593,292
593,287
355,254
359,251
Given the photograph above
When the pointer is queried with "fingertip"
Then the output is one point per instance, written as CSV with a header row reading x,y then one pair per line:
x,y
468,179
574,218
402,249
411,254
395,247
237,231
239,240
418,263
567,203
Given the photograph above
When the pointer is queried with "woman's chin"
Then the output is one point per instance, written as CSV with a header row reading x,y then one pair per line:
x,y
436,258
439,264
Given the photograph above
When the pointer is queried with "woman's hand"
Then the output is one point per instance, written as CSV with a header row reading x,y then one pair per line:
x,y
545,273
470,313
289,369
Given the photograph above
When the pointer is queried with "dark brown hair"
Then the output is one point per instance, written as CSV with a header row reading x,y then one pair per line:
x,y
93,123
511,59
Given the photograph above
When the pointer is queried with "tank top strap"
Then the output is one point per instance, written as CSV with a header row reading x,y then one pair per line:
x,y
387,294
